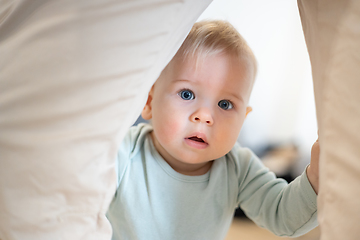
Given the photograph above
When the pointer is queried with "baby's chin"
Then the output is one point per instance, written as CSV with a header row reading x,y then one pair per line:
x,y
200,158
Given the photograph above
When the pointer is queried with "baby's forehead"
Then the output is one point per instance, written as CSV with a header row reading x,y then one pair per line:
x,y
181,63
197,59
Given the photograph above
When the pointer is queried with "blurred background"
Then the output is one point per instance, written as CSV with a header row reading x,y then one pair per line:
x,y
282,126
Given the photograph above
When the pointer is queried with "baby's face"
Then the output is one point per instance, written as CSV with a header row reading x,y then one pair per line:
x,y
197,112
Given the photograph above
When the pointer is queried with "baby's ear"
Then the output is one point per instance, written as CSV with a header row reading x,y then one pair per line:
x,y
248,110
147,110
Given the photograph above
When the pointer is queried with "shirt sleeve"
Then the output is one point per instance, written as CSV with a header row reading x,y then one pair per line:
x,y
284,209
130,145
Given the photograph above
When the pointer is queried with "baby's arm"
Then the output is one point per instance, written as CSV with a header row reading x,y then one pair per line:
x,y
313,169
285,209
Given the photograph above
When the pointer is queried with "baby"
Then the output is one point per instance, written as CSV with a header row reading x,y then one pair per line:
x,y
183,176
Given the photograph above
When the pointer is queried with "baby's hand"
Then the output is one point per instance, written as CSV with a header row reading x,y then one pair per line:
x,y
313,170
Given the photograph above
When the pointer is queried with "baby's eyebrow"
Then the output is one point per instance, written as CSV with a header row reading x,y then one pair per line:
x,y
237,96
181,80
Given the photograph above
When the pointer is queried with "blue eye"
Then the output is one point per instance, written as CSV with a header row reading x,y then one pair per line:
x,y
225,104
186,94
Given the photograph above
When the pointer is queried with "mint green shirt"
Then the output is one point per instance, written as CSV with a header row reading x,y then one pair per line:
x,y
155,202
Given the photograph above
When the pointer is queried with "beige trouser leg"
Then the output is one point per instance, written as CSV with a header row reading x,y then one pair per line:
x,y
332,32
74,75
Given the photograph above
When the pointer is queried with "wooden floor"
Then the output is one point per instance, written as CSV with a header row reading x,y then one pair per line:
x,y
244,229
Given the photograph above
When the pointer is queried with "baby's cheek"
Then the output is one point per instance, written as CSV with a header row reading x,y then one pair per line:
x,y
171,130
227,138
168,129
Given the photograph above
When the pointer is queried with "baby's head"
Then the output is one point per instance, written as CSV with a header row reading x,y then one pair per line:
x,y
209,38
199,103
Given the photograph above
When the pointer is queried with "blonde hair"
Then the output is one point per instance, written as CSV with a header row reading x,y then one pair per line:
x,y
211,37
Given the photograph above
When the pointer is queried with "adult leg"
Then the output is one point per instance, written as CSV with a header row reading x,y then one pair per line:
x,y
74,75
332,33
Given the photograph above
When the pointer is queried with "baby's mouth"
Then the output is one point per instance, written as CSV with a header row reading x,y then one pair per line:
x,y
197,139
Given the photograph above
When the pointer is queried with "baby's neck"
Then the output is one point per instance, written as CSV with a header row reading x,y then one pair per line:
x,y
192,171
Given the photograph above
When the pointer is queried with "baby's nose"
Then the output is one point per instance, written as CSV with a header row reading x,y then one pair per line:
x,y
203,115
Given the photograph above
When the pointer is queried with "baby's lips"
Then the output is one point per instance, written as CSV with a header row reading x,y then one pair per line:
x,y
198,135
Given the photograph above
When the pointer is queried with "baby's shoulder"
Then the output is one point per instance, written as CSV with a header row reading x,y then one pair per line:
x,y
134,139
241,159
240,155
132,144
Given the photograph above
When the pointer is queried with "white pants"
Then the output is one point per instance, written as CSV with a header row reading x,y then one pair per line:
x,y
332,33
74,75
